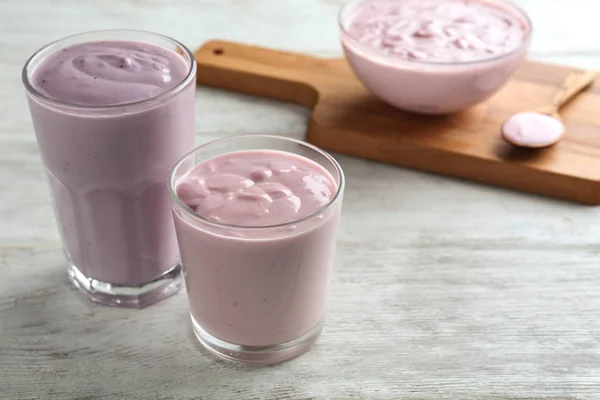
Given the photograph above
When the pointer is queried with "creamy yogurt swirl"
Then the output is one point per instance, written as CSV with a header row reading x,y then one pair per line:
x,y
437,30
256,188
109,73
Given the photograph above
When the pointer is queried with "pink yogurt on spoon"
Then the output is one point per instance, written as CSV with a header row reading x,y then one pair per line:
x,y
258,259
532,129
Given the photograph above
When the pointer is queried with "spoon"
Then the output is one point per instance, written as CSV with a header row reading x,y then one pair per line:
x,y
543,126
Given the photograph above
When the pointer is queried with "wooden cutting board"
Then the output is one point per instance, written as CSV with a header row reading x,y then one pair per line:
x,y
347,119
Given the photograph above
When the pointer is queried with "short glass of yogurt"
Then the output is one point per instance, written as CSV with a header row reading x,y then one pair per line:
x,y
112,112
256,219
434,56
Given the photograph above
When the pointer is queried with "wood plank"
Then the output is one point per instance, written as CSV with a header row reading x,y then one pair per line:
x,y
347,119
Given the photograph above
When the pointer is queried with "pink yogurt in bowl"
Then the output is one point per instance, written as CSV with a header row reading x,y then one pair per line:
x,y
434,56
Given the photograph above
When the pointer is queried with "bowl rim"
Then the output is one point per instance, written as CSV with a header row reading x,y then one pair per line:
x,y
518,11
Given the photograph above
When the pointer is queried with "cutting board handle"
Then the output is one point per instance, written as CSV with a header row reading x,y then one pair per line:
x,y
260,72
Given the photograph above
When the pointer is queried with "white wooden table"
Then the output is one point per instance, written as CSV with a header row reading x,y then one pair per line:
x,y
443,289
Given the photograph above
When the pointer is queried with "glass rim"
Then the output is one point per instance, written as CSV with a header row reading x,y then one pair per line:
x,y
382,57
181,205
191,74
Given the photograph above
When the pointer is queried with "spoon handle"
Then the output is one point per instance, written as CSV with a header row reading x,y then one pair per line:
x,y
575,82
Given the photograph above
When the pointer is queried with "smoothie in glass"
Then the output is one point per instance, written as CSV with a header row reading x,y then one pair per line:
x,y
112,112
256,220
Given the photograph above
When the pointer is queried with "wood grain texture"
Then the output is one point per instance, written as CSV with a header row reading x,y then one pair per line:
x,y
443,289
347,119
573,84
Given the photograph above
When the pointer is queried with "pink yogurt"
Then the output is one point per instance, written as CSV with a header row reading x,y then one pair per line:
x,y
111,117
532,129
257,238
434,56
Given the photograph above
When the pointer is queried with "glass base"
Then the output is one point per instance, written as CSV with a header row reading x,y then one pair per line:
x,y
139,296
257,355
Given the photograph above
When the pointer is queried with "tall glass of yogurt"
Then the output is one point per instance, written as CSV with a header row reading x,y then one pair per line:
x,y
112,112
256,220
